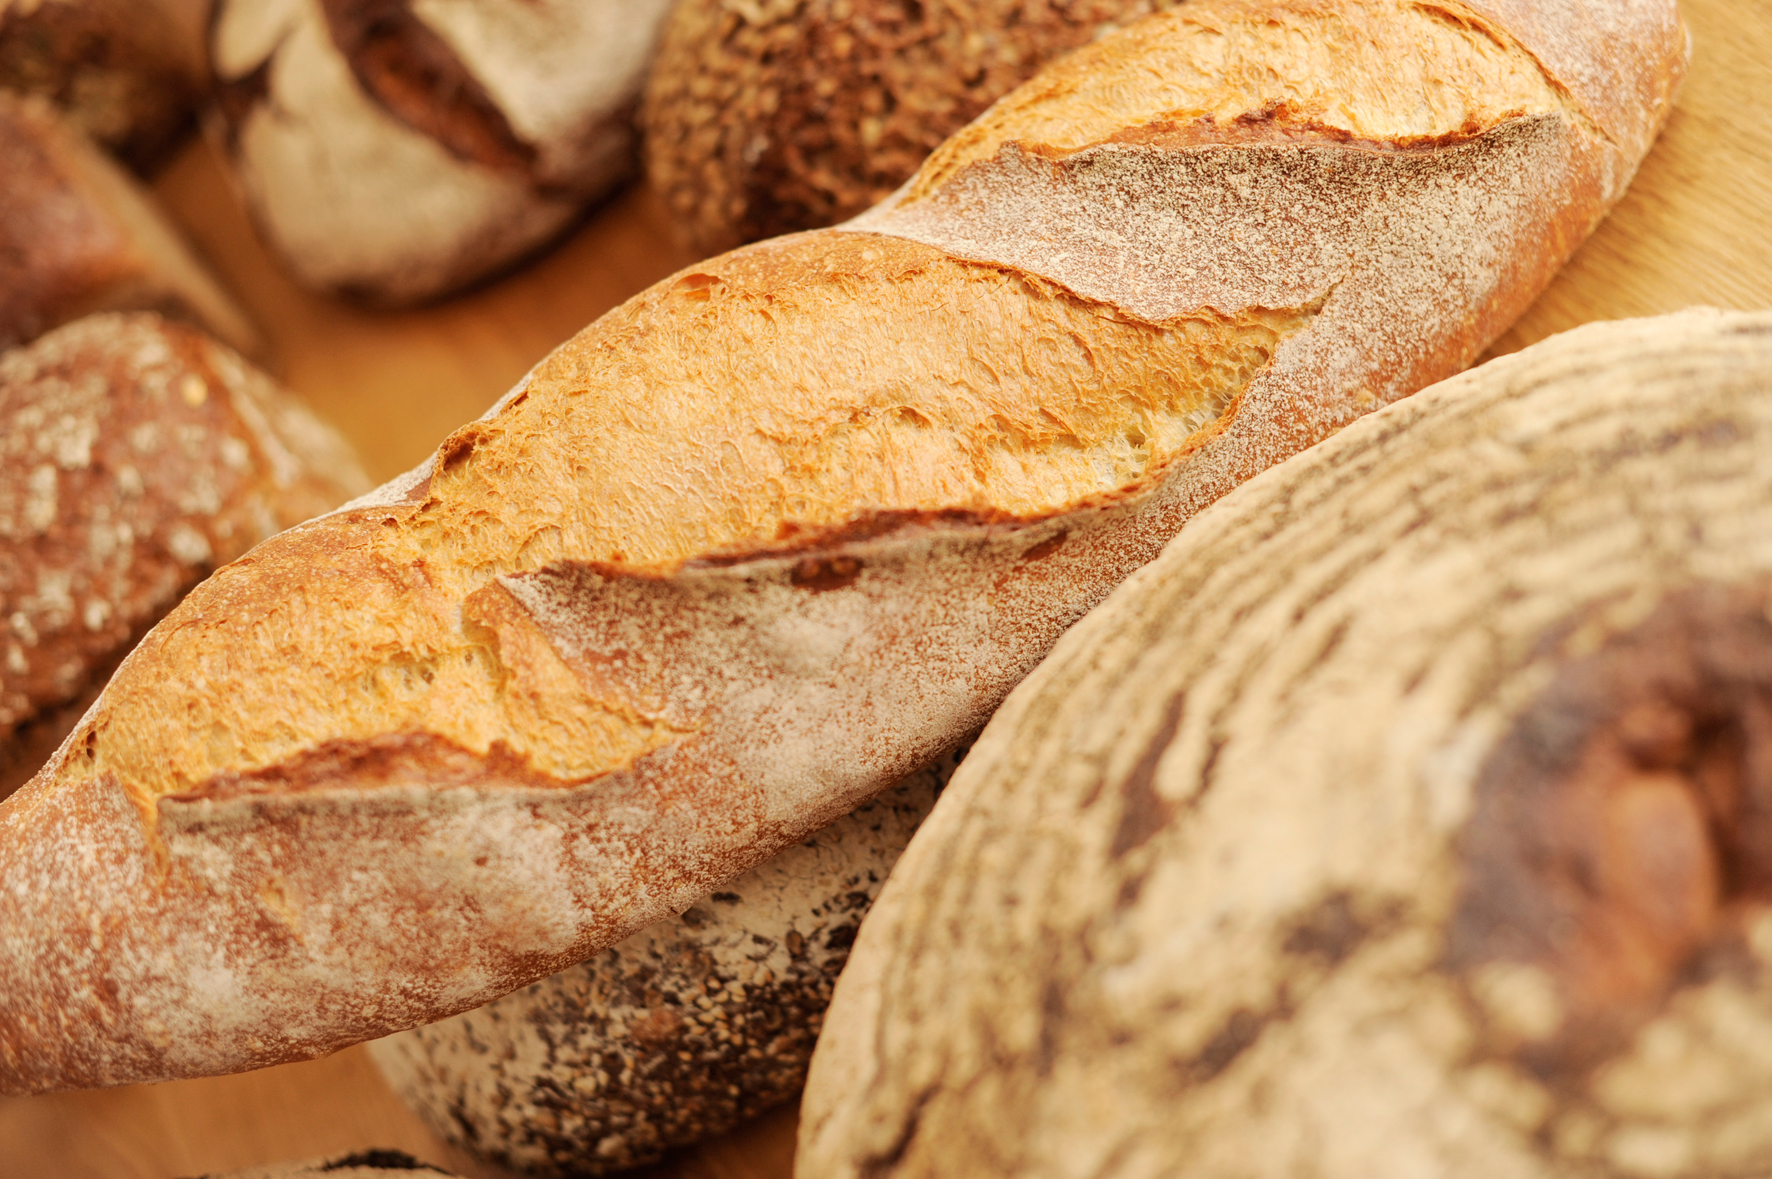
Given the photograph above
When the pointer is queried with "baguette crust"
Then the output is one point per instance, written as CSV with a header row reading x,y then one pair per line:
x,y
714,573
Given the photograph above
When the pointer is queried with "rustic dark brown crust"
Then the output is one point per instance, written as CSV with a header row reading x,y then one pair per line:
x,y
113,67
415,76
1632,804
769,119
130,470
77,236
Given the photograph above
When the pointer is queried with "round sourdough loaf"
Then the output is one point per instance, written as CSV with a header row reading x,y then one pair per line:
x,y
136,455
1410,815
762,119
788,525
397,151
678,1033
79,236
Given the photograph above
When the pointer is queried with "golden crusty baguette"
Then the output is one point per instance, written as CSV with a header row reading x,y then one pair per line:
x,y
1408,816
784,527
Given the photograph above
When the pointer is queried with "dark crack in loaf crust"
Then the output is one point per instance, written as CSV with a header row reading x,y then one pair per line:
x,y
397,150
78,235
678,1033
121,70
365,1164
781,529
1408,816
762,119
136,456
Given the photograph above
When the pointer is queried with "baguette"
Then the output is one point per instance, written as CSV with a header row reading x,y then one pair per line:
x,y
1404,818
787,526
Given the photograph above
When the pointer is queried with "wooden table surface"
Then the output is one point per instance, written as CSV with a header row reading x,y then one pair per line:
x,y
1696,227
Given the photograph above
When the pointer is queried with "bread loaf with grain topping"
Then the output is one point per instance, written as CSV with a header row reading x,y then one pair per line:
x,y
761,119
676,1034
787,525
136,456
1405,817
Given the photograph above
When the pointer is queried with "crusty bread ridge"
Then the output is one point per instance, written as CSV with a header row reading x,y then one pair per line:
x,y
780,530
1405,817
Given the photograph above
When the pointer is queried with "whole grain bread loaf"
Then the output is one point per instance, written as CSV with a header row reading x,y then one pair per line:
x,y
78,235
136,456
398,151
788,525
1408,816
763,119
678,1033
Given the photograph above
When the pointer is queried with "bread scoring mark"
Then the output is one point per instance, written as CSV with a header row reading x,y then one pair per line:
x,y
1376,71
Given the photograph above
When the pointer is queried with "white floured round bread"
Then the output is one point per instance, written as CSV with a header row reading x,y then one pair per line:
x,y
366,1164
1411,815
136,456
396,150
788,525
678,1033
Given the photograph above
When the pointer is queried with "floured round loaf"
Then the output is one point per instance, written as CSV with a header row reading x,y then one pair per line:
x,y
762,119
367,1164
78,235
128,73
678,1033
1410,815
136,455
396,150
787,526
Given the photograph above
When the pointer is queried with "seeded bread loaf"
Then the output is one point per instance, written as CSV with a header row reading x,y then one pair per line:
x,y
1407,817
762,119
136,455
78,235
678,1033
788,525
396,151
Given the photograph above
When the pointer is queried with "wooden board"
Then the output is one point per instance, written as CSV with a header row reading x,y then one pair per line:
x,y
1696,227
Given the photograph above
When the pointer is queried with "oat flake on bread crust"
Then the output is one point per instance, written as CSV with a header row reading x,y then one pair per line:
x,y
784,527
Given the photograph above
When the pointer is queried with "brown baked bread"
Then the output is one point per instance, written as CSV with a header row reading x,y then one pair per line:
x,y
78,235
761,119
128,73
674,1035
1405,817
136,455
398,151
366,1164
785,526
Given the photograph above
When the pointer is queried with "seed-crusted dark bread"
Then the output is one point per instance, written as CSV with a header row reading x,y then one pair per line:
x,y
1408,816
124,71
785,527
136,455
78,235
397,151
674,1035
762,119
